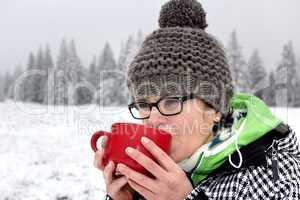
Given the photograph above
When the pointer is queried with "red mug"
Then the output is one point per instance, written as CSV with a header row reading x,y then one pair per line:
x,y
125,135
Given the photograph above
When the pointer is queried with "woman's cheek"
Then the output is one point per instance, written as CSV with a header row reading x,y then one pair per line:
x,y
173,148
177,148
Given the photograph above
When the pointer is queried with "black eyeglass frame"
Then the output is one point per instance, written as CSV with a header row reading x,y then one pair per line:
x,y
181,98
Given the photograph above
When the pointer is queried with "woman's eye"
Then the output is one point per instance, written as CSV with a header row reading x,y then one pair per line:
x,y
142,106
171,102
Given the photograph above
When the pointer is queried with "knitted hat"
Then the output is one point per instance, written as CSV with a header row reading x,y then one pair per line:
x,y
181,58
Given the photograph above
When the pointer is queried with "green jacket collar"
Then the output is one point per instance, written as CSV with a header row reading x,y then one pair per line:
x,y
252,120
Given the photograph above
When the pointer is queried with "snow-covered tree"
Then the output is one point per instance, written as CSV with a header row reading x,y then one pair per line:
x,y
69,73
24,82
269,94
92,72
122,57
16,87
286,77
7,87
78,77
139,40
37,80
61,81
257,75
237,64
127,54
129,50
298,67
29,86
49,79
106,59
106,64
110,93
2,97
125,57
75,66
107,71
297,97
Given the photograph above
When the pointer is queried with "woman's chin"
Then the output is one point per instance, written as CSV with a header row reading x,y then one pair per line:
x,y
176,156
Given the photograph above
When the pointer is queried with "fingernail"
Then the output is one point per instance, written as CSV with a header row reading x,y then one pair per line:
x,y
145,140
129,150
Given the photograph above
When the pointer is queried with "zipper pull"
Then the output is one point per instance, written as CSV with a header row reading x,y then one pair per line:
x,y
274,159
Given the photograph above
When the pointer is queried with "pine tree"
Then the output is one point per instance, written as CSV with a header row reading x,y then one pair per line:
x,y
127,54
37,80
75,66
24,92
286,77
270,91
237,64
109,89
124,60
2,97
106,60
93,72
257,74
8,81
122,57
61,89
49,79
298,67
70,75
17,86
297,93
139,40
82,94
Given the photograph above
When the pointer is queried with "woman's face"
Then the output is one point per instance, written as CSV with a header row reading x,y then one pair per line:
x,y
189,129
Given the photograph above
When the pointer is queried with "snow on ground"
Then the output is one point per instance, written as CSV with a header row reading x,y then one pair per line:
x,y
45,151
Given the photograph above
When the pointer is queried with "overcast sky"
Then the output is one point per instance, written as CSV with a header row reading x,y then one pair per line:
x,y
27,24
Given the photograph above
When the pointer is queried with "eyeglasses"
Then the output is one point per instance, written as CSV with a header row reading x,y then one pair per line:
x,y
167,106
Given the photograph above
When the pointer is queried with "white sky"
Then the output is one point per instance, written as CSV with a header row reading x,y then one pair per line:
x,y
27,24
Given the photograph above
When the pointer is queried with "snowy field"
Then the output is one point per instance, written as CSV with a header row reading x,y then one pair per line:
x,y
45,151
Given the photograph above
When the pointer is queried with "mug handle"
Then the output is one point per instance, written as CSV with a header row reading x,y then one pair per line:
x,y
95,138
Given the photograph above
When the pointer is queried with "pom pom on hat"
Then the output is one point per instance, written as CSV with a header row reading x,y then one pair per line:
x,y
182,13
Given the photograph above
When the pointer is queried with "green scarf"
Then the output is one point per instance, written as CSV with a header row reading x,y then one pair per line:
x,y
258,121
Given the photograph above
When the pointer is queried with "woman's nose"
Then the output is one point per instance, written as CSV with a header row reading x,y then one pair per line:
x,y
155,119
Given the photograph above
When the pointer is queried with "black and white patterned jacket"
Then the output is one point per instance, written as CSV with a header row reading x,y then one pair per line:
x,y
270,171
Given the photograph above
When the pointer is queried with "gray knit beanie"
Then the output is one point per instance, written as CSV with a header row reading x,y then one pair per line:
x,y
181,58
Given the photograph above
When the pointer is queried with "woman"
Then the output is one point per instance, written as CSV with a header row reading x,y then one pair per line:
x,y
224,145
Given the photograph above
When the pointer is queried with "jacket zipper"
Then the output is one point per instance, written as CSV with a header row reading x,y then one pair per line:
x,y
274,160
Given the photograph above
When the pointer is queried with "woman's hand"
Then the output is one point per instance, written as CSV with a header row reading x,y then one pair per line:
x,y
116,186
98,159
170,182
